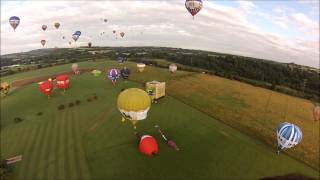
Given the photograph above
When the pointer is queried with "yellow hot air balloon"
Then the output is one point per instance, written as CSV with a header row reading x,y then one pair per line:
x,y
4,87
134,104
56,25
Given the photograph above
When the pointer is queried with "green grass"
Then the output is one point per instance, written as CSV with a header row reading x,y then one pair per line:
x,y
89,141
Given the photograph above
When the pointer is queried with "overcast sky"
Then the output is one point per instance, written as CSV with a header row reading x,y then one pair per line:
x,y
284,31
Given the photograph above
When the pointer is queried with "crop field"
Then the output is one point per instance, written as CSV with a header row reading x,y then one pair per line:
x,y
87,140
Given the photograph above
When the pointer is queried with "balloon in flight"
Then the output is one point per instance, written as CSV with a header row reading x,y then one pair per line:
x,y
134,104
14,22
44,27
43,42
288,135
193,6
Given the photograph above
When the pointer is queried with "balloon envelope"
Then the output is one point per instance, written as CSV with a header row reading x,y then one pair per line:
x,y
148,145
14,22
289,135
44,27
193,6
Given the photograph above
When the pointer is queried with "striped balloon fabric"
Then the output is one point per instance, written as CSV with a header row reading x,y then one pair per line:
x,y
289,135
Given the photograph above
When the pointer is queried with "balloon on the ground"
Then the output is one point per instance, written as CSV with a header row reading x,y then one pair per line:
x,y
56,25
148,145
14,22
46,87
316,113
4,88
43,42
113,74
44,27
62,82
134,104
75,68
141,67
193,6
173,68
125,72
289,135
96,72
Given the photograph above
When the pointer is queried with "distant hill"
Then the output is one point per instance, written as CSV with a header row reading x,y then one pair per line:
x,y
290,78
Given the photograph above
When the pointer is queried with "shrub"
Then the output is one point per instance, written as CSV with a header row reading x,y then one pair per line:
x,y
61,107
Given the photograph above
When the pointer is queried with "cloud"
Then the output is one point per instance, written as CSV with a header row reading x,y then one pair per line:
x,y
151,23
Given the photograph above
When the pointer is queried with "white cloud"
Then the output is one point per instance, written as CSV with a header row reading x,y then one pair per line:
x,y
151,23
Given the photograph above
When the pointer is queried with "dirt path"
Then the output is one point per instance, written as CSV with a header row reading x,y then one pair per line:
x,y
24,82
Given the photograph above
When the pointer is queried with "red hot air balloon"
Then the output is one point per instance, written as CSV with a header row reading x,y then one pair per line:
x,y
148,145
46,87
62,82
43,42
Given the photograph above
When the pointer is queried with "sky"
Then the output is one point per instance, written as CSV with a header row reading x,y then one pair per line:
x,y
283,31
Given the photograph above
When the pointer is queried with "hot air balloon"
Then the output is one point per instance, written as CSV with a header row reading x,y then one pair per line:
x,y
4,88
173,68
134,104
75,68
44,27
89,44
113,74
125,72
56,25
14,22
96,72
46,87
289,135
193,6
141,67
76,35
43,42
62,82
122,34
148,145
316,113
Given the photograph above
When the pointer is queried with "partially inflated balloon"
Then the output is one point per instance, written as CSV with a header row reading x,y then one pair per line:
x,y
44,27
43,42
14,22
193,6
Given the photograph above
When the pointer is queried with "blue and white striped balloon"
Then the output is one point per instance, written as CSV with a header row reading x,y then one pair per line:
x,y
289,135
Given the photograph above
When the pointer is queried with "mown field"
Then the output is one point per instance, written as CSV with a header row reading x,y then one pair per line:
x,y
88,141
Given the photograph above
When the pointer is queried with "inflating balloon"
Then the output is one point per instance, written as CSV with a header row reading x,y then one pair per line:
x,y
288,135
193,6
4,88
44,27
148,145
46,87
62,82
43,42
14,22
134,104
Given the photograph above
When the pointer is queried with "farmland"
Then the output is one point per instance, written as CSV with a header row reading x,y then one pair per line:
x,y
224,128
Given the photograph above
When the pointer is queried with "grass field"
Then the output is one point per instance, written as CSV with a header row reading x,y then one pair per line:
x,y
88,141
